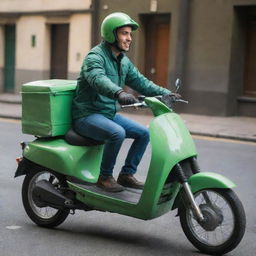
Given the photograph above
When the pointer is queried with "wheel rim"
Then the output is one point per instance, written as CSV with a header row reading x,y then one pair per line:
x,y
42,212
220,218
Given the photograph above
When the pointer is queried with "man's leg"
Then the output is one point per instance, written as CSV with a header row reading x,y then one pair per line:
x,y
140,135
100,128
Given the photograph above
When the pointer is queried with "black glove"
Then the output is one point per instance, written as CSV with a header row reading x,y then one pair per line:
x,y
125,98
169,99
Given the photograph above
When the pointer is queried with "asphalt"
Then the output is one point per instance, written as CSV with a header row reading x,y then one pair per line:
x,y
234,127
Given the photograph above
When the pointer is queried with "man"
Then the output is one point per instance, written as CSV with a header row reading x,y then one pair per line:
x,y
105,70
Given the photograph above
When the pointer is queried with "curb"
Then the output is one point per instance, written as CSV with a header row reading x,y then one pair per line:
x,y
228,137
7,101
18,118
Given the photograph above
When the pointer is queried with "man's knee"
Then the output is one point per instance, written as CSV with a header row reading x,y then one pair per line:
x,y
145,134
118,135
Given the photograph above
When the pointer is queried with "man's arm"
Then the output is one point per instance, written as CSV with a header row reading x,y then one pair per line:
x,y
94,72
141,84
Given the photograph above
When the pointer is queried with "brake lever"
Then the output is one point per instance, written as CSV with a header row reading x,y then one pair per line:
x,y
135,105
183,101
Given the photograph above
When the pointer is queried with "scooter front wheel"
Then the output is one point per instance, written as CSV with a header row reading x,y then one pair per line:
x,y
224,221
42,215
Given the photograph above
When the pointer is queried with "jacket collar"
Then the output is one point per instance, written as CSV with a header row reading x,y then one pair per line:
x,y
107,48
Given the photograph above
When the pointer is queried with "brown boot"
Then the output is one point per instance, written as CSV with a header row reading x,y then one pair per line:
x,y
128,180
109,184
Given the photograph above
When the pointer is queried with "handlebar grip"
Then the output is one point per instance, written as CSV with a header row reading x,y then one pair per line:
x,y
141,97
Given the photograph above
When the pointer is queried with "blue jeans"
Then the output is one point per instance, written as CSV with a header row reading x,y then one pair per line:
x,y
113,132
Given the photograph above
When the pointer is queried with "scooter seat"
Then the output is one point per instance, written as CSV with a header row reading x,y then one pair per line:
x,y
73,138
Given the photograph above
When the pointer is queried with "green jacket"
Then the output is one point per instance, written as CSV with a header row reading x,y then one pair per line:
x,y
102,75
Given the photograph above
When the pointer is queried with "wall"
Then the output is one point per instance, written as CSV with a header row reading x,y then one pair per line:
x,y
79,42
32,63
34,18
208,54
42,5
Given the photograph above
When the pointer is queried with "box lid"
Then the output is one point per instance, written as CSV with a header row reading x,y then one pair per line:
x,y
49,86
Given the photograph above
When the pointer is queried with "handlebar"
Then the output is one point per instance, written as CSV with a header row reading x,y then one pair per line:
x,y
162,98
142,97
183,101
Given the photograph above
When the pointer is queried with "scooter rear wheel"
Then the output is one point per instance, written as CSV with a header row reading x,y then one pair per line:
x,y
42,215
224,224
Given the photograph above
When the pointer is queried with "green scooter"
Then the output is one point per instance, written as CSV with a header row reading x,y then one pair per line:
x,y
61,174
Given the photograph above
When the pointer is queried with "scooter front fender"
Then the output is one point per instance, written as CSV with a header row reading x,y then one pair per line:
x,y
205,180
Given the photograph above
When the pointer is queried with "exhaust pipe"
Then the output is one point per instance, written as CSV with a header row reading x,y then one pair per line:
x,y
45,194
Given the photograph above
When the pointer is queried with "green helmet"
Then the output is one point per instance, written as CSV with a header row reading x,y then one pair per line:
x,y
113,22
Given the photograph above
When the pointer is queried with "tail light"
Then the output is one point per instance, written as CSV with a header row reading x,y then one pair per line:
x,y
23,145
18,160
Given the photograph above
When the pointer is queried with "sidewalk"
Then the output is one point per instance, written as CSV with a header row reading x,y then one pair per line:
x,y
238,128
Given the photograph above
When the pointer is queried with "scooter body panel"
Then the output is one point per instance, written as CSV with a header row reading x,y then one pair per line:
x,y
56,154
140,209
171,143
104,202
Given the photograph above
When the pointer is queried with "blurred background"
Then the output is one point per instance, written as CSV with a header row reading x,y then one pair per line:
x,y
209,44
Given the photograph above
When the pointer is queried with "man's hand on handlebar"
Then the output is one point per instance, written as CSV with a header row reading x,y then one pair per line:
x,y
169,99
128,100
125,98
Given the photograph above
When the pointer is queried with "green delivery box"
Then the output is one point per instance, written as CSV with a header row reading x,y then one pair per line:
x,y
46,107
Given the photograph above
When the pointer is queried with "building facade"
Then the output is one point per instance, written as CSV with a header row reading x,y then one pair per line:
x,y
42,39
210,45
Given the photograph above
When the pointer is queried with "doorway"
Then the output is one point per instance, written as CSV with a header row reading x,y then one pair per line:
x,y
9,58
157,45
250,56
59,51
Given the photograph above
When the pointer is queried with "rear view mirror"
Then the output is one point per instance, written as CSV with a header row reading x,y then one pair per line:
x,y
177,84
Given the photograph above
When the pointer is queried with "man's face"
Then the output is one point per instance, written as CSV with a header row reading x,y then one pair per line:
x,y
124,38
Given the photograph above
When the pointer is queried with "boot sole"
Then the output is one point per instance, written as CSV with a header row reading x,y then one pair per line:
x,y
111,189
128,186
